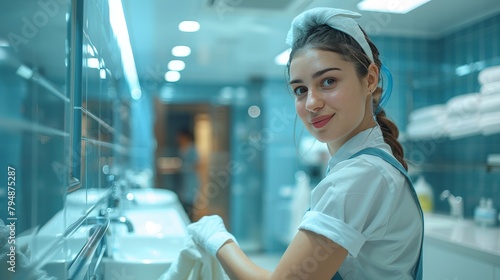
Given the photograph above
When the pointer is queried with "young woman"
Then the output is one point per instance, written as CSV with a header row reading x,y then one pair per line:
x,y
365,221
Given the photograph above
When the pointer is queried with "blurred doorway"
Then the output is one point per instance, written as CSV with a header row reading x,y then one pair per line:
x,y
210,126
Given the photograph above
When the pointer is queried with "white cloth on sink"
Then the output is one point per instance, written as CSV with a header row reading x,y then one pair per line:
x,y
194,263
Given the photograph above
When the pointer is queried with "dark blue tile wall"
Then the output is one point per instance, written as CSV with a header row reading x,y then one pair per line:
x,y
424,74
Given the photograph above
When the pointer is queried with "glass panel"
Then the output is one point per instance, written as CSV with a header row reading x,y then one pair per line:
x,y
34,126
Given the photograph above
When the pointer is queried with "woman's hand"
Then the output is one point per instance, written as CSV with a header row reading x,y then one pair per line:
x,y
210,233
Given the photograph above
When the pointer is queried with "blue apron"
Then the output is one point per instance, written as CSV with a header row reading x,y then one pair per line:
x,y
385,156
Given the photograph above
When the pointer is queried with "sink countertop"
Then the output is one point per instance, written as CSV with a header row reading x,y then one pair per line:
x,y
464,233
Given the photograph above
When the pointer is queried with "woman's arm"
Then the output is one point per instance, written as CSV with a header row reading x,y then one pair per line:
x,y
237,265
309,256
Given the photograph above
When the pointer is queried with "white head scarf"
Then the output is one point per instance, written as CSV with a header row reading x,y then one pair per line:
x,y
342,20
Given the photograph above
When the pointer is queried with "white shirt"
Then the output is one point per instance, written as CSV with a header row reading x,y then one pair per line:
x,y
365,205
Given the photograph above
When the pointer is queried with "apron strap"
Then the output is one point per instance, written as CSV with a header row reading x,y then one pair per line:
x,y
394,162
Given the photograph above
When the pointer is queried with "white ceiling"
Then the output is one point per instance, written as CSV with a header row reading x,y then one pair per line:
x,y
234,43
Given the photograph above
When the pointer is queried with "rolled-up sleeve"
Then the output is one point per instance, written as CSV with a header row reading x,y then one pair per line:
x,y
350,205
333,229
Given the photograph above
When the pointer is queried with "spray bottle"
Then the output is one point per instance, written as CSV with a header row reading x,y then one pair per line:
x,y
425,194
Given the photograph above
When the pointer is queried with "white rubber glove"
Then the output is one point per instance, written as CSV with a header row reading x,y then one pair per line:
x,y
210,233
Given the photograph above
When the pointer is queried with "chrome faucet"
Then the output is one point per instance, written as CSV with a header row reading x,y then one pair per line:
x,y
117,220
122,197
107,242
456,204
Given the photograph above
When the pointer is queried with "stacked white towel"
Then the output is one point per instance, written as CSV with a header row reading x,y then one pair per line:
x,y
463,105
428,113
458,127
194,263
490,88
489,104
427,122
427,130
489,107
462,115
489,123
489,78
489,75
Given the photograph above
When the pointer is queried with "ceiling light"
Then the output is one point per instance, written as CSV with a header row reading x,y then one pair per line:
x,y
282,58
181,51
189,26
176,65
172,76
119,27
390,6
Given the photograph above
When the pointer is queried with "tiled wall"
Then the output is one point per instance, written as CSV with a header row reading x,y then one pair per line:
x,y
424,74
461,163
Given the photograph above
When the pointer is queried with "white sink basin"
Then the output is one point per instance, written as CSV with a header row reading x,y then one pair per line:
x,y
159,224
155,222
153,198
51,254
141,257
136,198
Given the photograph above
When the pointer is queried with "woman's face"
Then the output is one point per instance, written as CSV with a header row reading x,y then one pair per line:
x,y
331,100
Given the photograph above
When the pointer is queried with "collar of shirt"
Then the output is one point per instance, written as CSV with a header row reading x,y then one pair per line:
x,y
371,137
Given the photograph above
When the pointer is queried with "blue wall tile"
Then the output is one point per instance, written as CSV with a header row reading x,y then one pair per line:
x,y
424,73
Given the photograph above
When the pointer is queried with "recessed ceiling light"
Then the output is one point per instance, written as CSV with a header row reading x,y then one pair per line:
x,y
181,51
390,6
172,76
176,65
120,31
189,26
